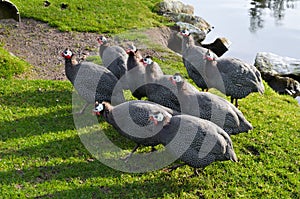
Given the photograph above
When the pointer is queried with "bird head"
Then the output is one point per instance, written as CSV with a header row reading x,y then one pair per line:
x,y
209,56
176,79
185,33
156,118
99,108
147,60
102,40
67,53
131,49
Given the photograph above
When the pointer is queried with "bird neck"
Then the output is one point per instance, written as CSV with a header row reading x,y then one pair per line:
x,y
186,42
71,70
132,61
102,49
150,73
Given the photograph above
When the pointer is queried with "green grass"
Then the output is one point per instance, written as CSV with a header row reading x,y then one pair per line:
x,y
112,16
42,156
10,65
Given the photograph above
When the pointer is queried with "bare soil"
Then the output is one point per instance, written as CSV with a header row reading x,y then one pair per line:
x,y
41,45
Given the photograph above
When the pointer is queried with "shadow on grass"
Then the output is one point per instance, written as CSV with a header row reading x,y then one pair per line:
x,y
163,184
57,121
63,172
39,97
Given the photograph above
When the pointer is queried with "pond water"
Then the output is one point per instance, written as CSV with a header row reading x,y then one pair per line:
x,y
253,26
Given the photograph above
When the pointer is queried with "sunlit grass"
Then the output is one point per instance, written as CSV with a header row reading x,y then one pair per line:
x,y
112,16
42,154
10,65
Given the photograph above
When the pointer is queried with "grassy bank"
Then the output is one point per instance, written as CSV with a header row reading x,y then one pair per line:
x,y
11,66
42,156
112,16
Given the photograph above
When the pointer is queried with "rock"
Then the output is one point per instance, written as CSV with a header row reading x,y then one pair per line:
x,y
196,21
282,85
219,46
199,35
176,11
173,6
275,64
281,73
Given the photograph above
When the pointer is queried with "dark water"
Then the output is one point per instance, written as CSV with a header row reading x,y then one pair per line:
x,y
253,26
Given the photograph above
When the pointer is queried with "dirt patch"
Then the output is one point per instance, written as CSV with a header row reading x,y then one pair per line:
x,y
41,45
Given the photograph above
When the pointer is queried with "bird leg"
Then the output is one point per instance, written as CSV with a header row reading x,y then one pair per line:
x,y
126,158
83,109
196,172
153,149
236,103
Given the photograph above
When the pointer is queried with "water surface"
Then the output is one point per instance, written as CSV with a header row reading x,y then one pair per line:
x,y
251,26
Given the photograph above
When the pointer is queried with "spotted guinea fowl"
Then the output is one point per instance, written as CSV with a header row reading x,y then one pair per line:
x,y
192,59
131,119
195,141
135,76
231,76
156,71
92,82
114,58
159,88
211,107
238,77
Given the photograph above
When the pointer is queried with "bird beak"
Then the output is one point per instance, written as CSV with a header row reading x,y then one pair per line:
x,y
151,118
172,81
97,113
208,58
99,41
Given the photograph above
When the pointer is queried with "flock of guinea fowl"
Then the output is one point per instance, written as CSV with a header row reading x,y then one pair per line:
x,y
201,122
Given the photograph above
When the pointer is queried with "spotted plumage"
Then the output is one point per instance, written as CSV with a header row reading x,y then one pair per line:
x,y
195,141
159,88
131,119
231,76
210,107
114,58
135,76
92,82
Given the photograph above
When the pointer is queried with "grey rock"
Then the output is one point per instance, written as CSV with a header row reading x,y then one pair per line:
x,y
281,73
173,6
268,62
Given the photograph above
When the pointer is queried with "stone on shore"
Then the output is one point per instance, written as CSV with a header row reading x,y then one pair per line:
x,y
173,6
281,73
177,11
271,63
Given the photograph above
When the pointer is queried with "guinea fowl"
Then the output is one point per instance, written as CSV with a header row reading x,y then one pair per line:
x,y
131,119
192,60
92,82
231,76
239,78
155,68
114,58
159,89
211,107
195,141
135,76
